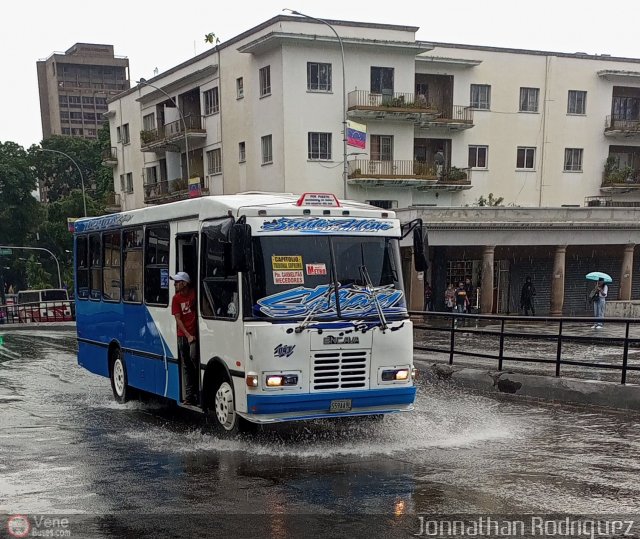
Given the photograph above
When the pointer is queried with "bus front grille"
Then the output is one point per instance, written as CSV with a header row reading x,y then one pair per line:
x,y
340,369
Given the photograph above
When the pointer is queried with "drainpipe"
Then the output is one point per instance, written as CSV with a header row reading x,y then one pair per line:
x,y
544,127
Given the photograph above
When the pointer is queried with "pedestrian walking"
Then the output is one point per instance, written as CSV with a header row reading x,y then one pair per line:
x,y
428,297
450,297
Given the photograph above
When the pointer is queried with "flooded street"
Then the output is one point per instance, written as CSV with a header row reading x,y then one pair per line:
x,y
67,448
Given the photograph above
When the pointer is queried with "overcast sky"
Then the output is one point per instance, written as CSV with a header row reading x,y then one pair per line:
x,y
162,34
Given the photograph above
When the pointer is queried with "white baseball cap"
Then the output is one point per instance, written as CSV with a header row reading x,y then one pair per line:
x,y
180,276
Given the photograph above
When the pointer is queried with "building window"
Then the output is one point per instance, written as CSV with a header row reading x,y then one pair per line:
x,y
214,161
480,96
267,150
122,182
381,148
265,81
118,134
318,77
319,146
240,87
478,156
149,122
123,134
526,159
573,160
151,174
529,99
211,101
577,103
129,186
382,80
242,152
384,204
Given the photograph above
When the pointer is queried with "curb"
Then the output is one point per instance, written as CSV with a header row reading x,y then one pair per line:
x,y
57,326
549,388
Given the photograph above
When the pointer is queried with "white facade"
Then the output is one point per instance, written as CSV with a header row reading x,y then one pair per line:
x,y
413,97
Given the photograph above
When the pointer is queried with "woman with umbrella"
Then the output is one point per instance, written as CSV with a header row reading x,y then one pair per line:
x,y
598,295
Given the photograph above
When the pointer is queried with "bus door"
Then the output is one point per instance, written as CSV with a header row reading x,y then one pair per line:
x,y
187,261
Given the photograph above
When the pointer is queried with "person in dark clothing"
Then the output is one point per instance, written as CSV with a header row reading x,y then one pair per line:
x,y
471,293
526,297
428,297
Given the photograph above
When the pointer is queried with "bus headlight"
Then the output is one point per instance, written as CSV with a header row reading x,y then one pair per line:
x,y
281,380
395,375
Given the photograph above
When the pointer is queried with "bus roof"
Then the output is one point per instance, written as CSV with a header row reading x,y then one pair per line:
x,y
249,204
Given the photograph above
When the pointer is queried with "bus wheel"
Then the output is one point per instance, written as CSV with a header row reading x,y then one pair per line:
x,y
224,407
119,377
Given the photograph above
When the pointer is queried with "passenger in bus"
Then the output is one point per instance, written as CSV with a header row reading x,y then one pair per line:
x,y
183,307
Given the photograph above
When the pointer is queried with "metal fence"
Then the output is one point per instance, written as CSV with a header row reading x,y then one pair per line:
x,y
519,340
40,311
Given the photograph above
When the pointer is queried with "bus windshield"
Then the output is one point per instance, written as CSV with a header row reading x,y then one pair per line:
x,y
295,276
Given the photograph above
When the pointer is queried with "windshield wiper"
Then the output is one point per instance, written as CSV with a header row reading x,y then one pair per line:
x,y
308,318
372,292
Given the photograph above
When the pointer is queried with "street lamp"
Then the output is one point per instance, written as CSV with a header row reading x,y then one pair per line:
x,y
84,198
9,247
345,171
184,124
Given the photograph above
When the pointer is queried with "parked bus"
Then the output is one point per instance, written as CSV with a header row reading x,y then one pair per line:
x,y
301,308
45,305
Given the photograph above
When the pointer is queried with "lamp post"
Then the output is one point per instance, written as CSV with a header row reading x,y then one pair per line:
x,y
38,249
345,168
84,198
184,124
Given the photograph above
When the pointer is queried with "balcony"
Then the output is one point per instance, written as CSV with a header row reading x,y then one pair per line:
x,y
110,157
412,174
408,107
396,106
112,203
619,126
623,180
171,190
171,137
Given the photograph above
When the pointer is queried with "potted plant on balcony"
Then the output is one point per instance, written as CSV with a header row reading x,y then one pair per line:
x,y
147,136
456,174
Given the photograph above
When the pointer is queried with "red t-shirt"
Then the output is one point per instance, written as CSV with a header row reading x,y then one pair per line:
x,y
185,305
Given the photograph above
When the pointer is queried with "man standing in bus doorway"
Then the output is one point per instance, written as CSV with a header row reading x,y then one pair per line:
x,y
183,307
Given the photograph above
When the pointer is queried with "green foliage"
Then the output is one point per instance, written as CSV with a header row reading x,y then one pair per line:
x,y
211,38
37,277
19,210
456,174
489,201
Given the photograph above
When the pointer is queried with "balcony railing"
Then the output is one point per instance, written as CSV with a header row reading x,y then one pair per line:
x,y
112,202
110,157
407,173
624,178
411,107
172,133
617,124
169,190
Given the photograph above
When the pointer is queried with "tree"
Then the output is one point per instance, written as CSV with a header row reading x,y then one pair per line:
x,y
37,277
19,210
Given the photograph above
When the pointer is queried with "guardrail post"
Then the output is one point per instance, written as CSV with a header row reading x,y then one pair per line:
x,y
625,354
452,340
559,349
500,357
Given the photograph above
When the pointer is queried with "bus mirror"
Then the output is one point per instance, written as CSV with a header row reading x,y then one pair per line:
x,y
419,256
240,247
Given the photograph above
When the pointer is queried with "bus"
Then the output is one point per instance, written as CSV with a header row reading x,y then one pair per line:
x,y
301,308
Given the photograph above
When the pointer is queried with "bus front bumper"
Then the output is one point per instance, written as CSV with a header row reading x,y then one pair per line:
x,y
297,407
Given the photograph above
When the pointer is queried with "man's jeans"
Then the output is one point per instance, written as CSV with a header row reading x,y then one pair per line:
x,y
188,354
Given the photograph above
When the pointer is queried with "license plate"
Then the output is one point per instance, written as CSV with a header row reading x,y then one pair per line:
x,y
342,405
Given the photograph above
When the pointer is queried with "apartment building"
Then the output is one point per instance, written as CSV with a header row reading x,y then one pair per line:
x,y
74,87
446,126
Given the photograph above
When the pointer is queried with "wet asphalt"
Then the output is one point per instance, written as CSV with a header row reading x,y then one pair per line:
x,y
149,469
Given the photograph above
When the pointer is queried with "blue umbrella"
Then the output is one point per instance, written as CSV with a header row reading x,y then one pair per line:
x,y
597,275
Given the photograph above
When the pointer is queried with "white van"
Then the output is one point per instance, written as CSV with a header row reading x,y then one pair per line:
x,y
46,305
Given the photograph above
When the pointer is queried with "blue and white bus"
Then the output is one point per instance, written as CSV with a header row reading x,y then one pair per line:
x,y
301,308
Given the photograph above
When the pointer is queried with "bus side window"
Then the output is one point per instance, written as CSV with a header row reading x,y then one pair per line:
x,y
156,265
82,268
95,268
111,266
132,265
219,297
